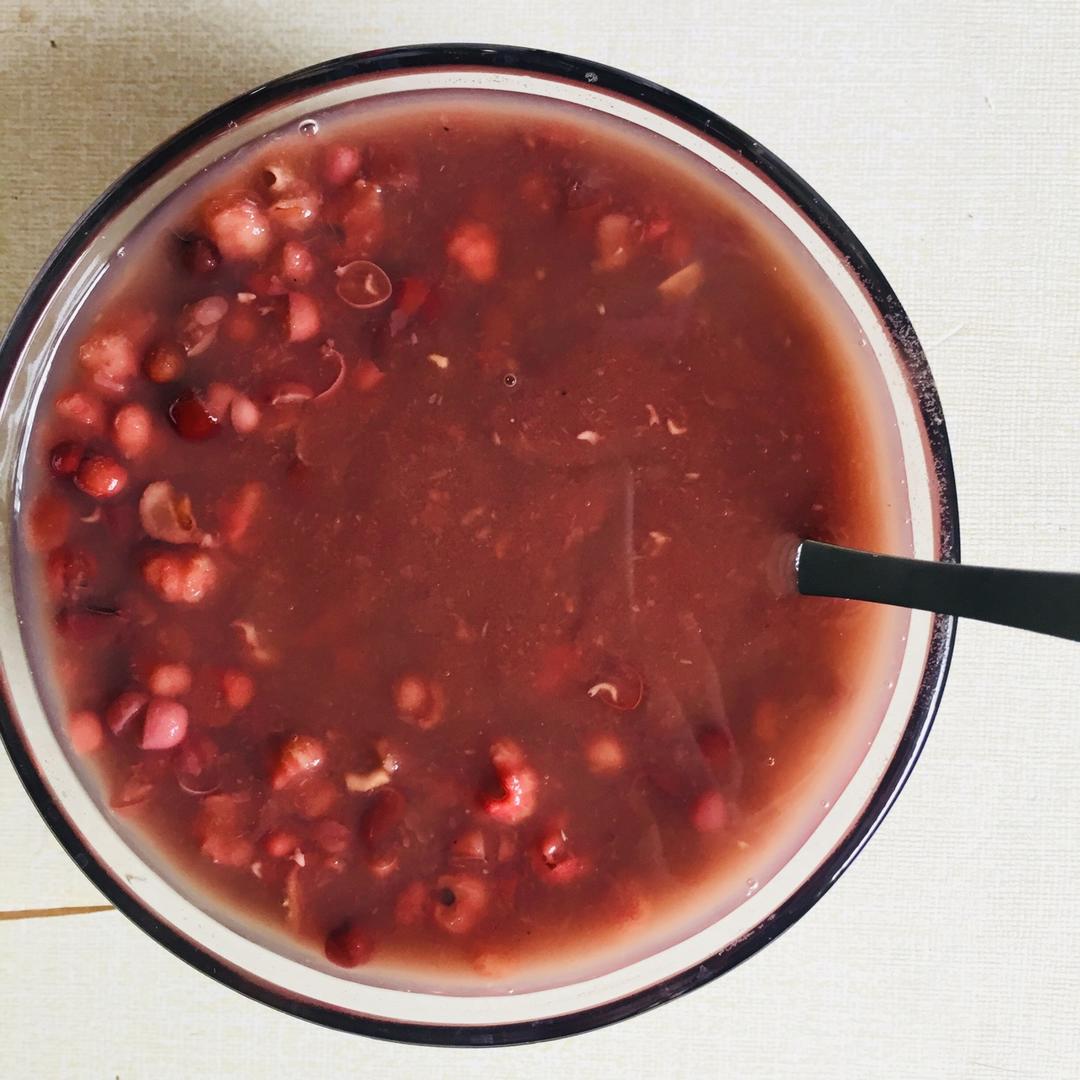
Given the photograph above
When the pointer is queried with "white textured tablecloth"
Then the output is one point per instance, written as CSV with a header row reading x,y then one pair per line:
x,y
948,136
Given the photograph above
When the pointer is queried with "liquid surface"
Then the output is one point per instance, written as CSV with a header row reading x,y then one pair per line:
x,y
409,505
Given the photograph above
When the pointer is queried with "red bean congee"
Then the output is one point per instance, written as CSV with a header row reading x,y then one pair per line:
x,y
405,509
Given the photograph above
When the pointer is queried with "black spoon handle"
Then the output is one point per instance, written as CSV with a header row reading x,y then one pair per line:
x,y
1043,601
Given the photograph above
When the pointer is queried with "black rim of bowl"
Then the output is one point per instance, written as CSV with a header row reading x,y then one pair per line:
x,y
620,83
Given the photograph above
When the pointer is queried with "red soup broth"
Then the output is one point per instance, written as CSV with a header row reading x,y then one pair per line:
x,y
406,507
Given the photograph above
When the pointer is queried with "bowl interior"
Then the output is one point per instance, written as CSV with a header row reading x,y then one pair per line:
x,y
891,364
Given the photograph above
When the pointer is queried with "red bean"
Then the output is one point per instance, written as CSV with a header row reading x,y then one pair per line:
x,y
132,430
84,731
418,701
199,256
124,709
519,785
164,363
110,359
280,844
69,572
181,578
192,418
303,317
459,902
244,414
239,228
242,324
367,376
300,756
170,680
381,830
101,477
555,863
263,283
604,754
332,837
65,457
83,409
475,248
48,522
200,322
165,726
710,812
209,310
218,398
340,164
349,946
316,797
613,242
410,695
297,263
717,748
626,902
238,688
166,514
235,851
280,179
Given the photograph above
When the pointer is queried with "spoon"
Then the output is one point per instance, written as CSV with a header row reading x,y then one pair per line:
x,y
1044,601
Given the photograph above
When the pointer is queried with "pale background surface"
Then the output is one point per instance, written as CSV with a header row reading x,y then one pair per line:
x,y
949,141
